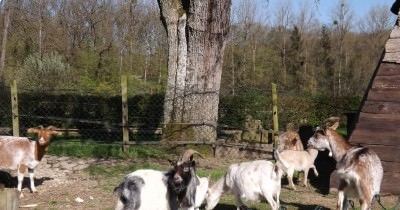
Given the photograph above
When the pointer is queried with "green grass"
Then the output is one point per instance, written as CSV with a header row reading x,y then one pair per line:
x,y
112,171
90,148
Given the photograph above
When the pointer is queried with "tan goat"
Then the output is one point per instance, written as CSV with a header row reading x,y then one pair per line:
x,y
359,168
21,153
289,140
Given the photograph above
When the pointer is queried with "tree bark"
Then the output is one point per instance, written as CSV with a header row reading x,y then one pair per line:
x,y
197,32
4,41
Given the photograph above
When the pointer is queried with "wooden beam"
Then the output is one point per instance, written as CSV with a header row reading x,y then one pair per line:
x,y
388,69
14,105
375,137
124,97
386,83
275,113
391,167
384,95
387,153
381,107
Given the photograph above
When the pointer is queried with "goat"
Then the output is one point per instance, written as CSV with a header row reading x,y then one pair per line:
x,y
150,189
291,160
253,180
289,140
21,153
359,168
201,191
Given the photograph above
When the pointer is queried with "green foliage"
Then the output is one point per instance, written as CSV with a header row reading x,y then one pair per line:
x,y
295,57
293,107
87,112
46,73
233,109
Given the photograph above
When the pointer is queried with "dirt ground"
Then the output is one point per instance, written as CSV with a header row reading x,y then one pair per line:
x,y
64,184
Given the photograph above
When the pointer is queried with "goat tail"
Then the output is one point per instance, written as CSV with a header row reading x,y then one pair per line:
x,y
128,192
280,163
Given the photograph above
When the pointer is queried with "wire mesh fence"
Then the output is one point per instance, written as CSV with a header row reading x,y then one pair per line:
x,y
89,115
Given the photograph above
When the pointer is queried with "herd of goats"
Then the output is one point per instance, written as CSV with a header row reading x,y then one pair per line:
x,y
359,170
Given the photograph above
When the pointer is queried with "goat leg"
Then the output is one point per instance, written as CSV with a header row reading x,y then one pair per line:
x,y
32,179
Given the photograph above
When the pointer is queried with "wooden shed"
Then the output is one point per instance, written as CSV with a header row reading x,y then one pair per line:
x,y
377,124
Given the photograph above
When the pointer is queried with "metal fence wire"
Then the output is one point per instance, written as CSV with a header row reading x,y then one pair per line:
x,y
90,115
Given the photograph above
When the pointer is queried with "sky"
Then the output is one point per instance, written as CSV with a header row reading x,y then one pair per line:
x,y
324,7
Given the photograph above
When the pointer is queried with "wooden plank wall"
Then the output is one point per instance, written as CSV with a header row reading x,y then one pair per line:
x,y
378,125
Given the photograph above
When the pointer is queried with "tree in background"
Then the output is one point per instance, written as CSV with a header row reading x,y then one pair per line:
x,y
325,63
342,19
197,32
8,7
296,61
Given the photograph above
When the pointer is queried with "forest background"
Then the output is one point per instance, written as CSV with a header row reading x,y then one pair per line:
x,y
84,46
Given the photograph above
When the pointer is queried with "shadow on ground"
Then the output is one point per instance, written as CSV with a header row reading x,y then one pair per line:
x,y
9,181
300,206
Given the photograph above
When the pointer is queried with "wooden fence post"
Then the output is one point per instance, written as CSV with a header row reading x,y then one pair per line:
x,y
8,199
124,95
275,113
14,106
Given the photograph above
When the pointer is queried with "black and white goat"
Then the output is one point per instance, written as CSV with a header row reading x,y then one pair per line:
x,y
157,190
359,168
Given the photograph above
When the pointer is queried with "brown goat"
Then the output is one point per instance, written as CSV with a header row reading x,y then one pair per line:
x,y
21,153
290,140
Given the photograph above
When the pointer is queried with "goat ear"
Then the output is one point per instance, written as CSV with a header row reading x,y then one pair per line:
x,y
58,133
334,126
32,130
332,123
193,163
294,141
171,162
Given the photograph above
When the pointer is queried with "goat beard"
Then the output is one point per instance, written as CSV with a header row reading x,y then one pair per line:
x,y
178,188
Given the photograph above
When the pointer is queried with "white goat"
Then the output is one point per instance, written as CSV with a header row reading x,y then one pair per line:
x,y
359,169
157,190
21,153
291,160
201,191
253,180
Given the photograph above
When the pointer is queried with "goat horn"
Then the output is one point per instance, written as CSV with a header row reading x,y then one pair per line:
x,y
51,127
188,155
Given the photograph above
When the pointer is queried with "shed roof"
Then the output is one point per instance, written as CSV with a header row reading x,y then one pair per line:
x,y
392,47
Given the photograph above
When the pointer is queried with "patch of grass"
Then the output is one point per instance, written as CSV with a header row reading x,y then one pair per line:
x,y
87,148
120,170
214,174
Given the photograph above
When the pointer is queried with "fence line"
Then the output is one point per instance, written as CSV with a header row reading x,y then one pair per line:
x,y
130,117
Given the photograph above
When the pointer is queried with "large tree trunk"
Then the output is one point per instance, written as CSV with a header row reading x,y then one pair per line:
x,y
197,31
4,40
